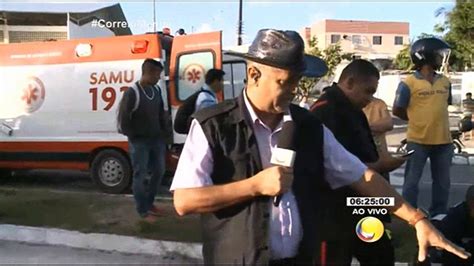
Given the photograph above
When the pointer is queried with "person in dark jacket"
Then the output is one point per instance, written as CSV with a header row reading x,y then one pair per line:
x,y
458,226
226,175
340,108
143,120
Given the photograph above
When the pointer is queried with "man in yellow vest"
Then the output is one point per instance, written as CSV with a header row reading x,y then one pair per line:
x,y
422,99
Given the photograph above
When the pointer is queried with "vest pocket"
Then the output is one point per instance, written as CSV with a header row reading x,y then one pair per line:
x,y
242,166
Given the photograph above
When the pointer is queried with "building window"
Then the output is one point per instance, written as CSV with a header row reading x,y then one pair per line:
x,y
356,39
36,36
398,40
335,38
377,40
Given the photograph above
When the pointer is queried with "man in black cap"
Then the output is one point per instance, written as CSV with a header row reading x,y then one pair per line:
x,y
224,172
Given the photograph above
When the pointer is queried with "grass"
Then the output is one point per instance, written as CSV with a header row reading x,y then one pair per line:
x,y
90,212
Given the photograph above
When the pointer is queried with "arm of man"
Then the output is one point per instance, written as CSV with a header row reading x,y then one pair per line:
x,y
129,99
213,198
194,191
373,185
343,168
402,100
384,123
386,164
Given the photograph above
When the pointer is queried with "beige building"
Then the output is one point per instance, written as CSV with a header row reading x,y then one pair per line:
x,y
365,39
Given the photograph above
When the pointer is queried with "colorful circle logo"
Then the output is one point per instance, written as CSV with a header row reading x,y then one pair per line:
x,y
369,229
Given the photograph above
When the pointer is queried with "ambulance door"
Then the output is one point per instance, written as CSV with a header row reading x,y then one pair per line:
x,y
235,69
191,57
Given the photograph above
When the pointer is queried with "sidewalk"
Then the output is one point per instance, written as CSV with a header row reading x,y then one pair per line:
x,y
95,221
104,242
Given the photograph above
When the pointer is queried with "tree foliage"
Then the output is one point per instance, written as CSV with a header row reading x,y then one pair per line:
x,y
458,30
332,55
403,60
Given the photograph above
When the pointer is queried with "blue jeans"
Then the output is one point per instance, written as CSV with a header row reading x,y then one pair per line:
x,y
440,159
148,159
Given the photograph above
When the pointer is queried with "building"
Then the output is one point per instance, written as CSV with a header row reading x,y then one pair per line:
x,y
364,39
16,27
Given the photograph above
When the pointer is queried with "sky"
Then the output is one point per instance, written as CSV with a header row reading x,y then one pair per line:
x,y
202,16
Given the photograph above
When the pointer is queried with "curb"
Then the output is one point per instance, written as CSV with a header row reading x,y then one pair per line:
x,y
105,242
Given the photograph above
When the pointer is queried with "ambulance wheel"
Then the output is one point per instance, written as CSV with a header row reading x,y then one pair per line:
x,y
111,171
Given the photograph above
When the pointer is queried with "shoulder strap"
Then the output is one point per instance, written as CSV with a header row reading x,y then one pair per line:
x,y
208,92
223,107
158,89
137,96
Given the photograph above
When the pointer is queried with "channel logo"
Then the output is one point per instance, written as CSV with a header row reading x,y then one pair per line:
x,y
369,229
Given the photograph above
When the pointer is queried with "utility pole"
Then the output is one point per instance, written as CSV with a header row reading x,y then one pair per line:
x,y
154,17
239,38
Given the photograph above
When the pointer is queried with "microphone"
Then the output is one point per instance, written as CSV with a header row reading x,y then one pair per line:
x,y
284,154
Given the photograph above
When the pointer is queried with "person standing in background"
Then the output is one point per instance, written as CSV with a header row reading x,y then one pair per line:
x,y
380,122
422,99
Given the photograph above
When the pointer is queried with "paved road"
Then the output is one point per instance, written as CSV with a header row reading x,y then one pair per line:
x,y
462,176
23,253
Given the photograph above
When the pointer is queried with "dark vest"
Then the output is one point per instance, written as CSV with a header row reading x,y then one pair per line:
x,y
240,234
145,120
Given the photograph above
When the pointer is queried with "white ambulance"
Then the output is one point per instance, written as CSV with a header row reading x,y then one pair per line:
x,y
58,100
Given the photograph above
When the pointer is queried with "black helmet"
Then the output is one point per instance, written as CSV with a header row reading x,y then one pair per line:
x,y
429,51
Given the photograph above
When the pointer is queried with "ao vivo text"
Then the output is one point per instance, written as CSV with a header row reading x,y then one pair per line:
x,y
361,211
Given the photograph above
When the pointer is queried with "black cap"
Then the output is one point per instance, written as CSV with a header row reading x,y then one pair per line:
x,y
283,49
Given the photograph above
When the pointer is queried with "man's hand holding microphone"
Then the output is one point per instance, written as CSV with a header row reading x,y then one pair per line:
x,y
277,180
274,181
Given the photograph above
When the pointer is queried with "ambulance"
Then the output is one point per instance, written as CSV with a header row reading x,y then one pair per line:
x,y
59,99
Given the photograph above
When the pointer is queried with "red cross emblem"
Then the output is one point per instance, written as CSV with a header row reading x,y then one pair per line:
x,y
194,75
30,94
33,94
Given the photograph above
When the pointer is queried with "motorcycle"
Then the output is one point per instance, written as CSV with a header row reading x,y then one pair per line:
x,y
464,125
458,145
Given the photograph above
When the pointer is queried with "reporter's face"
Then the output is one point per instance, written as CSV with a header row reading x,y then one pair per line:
x,y
278,88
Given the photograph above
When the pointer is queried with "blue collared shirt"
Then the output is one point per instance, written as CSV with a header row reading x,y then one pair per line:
x,y
205,99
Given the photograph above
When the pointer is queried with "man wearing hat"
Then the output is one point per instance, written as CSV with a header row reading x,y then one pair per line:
x,y
224,172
